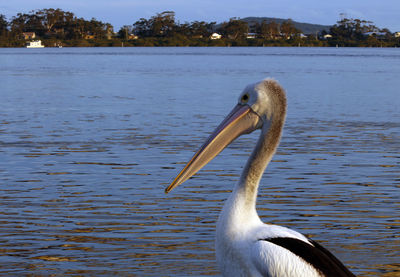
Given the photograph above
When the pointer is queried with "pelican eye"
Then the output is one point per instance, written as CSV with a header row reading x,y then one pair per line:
x,y
245,98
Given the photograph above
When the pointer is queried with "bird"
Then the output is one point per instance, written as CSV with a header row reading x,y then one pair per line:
x,y
244,245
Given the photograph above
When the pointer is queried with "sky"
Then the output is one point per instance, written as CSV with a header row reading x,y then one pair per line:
x,y
383,13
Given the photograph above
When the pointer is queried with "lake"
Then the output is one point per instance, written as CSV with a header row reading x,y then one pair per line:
x,y
91,137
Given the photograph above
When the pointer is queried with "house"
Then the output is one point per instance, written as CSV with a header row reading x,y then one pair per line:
x,y
215,36
375,34
89,36
397,34
132,36
327,36
251,35
29,35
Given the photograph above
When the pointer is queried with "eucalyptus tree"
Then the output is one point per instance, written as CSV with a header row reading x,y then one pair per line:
x,y
3,26
235,29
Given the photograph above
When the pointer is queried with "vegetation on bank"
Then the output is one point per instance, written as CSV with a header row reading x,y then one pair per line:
x,y
56,27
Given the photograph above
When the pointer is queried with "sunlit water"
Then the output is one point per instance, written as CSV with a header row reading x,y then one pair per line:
x,y
89,139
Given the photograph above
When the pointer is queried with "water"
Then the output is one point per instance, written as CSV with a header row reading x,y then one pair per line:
x,y
90,138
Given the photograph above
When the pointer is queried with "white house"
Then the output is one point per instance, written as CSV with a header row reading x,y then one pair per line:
x,y
215,36
374,34
29,35
397,35
132,36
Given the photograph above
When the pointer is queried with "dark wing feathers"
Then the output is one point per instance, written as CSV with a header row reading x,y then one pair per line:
x,y
315,255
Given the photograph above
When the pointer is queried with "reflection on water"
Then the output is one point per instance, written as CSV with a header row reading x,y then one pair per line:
x,y
91,137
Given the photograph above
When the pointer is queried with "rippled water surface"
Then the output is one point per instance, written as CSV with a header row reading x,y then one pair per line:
x,y
89,139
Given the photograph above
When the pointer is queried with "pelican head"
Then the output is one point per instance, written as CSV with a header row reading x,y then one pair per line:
x,y
257,108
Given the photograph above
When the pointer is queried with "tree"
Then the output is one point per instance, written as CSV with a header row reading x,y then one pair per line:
x,y
109,30
58,24
268,30
79,27
3,26
288,30
234,29
163,24
142,27
388,34
18,24
125,31
201,28
160,25
97,28
56,20
350,30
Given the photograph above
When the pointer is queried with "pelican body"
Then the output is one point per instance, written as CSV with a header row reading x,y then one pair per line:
x,y
245,246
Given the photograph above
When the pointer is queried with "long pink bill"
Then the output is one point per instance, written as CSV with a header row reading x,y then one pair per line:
x,y
241,120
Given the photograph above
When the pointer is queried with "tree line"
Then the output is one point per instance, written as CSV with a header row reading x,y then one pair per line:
x,y
356,32
51,26
58,27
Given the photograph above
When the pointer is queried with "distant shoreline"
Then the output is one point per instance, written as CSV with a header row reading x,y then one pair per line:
x,y
58,28
193,46
157,42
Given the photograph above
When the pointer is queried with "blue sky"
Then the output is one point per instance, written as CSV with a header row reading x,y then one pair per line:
x,y
383,13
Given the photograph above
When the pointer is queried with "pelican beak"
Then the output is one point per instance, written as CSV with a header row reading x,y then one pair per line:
x,y
241,120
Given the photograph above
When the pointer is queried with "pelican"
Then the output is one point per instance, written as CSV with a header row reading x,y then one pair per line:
x,y
244,245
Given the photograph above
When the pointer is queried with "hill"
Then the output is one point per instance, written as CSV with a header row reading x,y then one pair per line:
x,y
306,28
